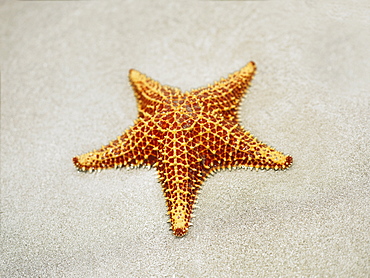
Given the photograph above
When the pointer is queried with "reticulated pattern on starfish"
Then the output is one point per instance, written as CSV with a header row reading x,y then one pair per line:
x,y
186,136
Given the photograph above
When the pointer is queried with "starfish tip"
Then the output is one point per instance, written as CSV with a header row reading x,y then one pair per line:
x,y
180,232
76,162
289,160
134,74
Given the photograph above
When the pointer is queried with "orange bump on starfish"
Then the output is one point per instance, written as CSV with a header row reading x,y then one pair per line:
x,y
186,137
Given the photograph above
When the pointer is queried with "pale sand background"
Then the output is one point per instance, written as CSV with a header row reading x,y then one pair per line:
x,y
64,91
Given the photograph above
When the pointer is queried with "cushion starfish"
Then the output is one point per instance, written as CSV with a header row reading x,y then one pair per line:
x,y
186,137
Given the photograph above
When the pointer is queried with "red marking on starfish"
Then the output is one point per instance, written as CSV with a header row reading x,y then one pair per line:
x,y
186,136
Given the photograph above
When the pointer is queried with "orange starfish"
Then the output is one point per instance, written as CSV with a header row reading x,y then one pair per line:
x,y
186,136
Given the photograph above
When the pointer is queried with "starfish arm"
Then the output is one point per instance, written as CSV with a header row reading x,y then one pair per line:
x,y
130,149
180,173
150,94
227,145
224,96
244,150
180,195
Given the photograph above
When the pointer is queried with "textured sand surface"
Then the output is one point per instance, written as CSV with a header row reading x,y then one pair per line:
x,y
64,91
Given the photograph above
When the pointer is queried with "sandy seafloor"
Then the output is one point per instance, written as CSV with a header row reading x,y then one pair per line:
x,y
64,91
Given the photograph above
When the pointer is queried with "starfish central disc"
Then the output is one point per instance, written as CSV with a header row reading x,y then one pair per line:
x,y
186,136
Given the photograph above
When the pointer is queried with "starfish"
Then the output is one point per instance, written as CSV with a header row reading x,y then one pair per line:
x,y
186,137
